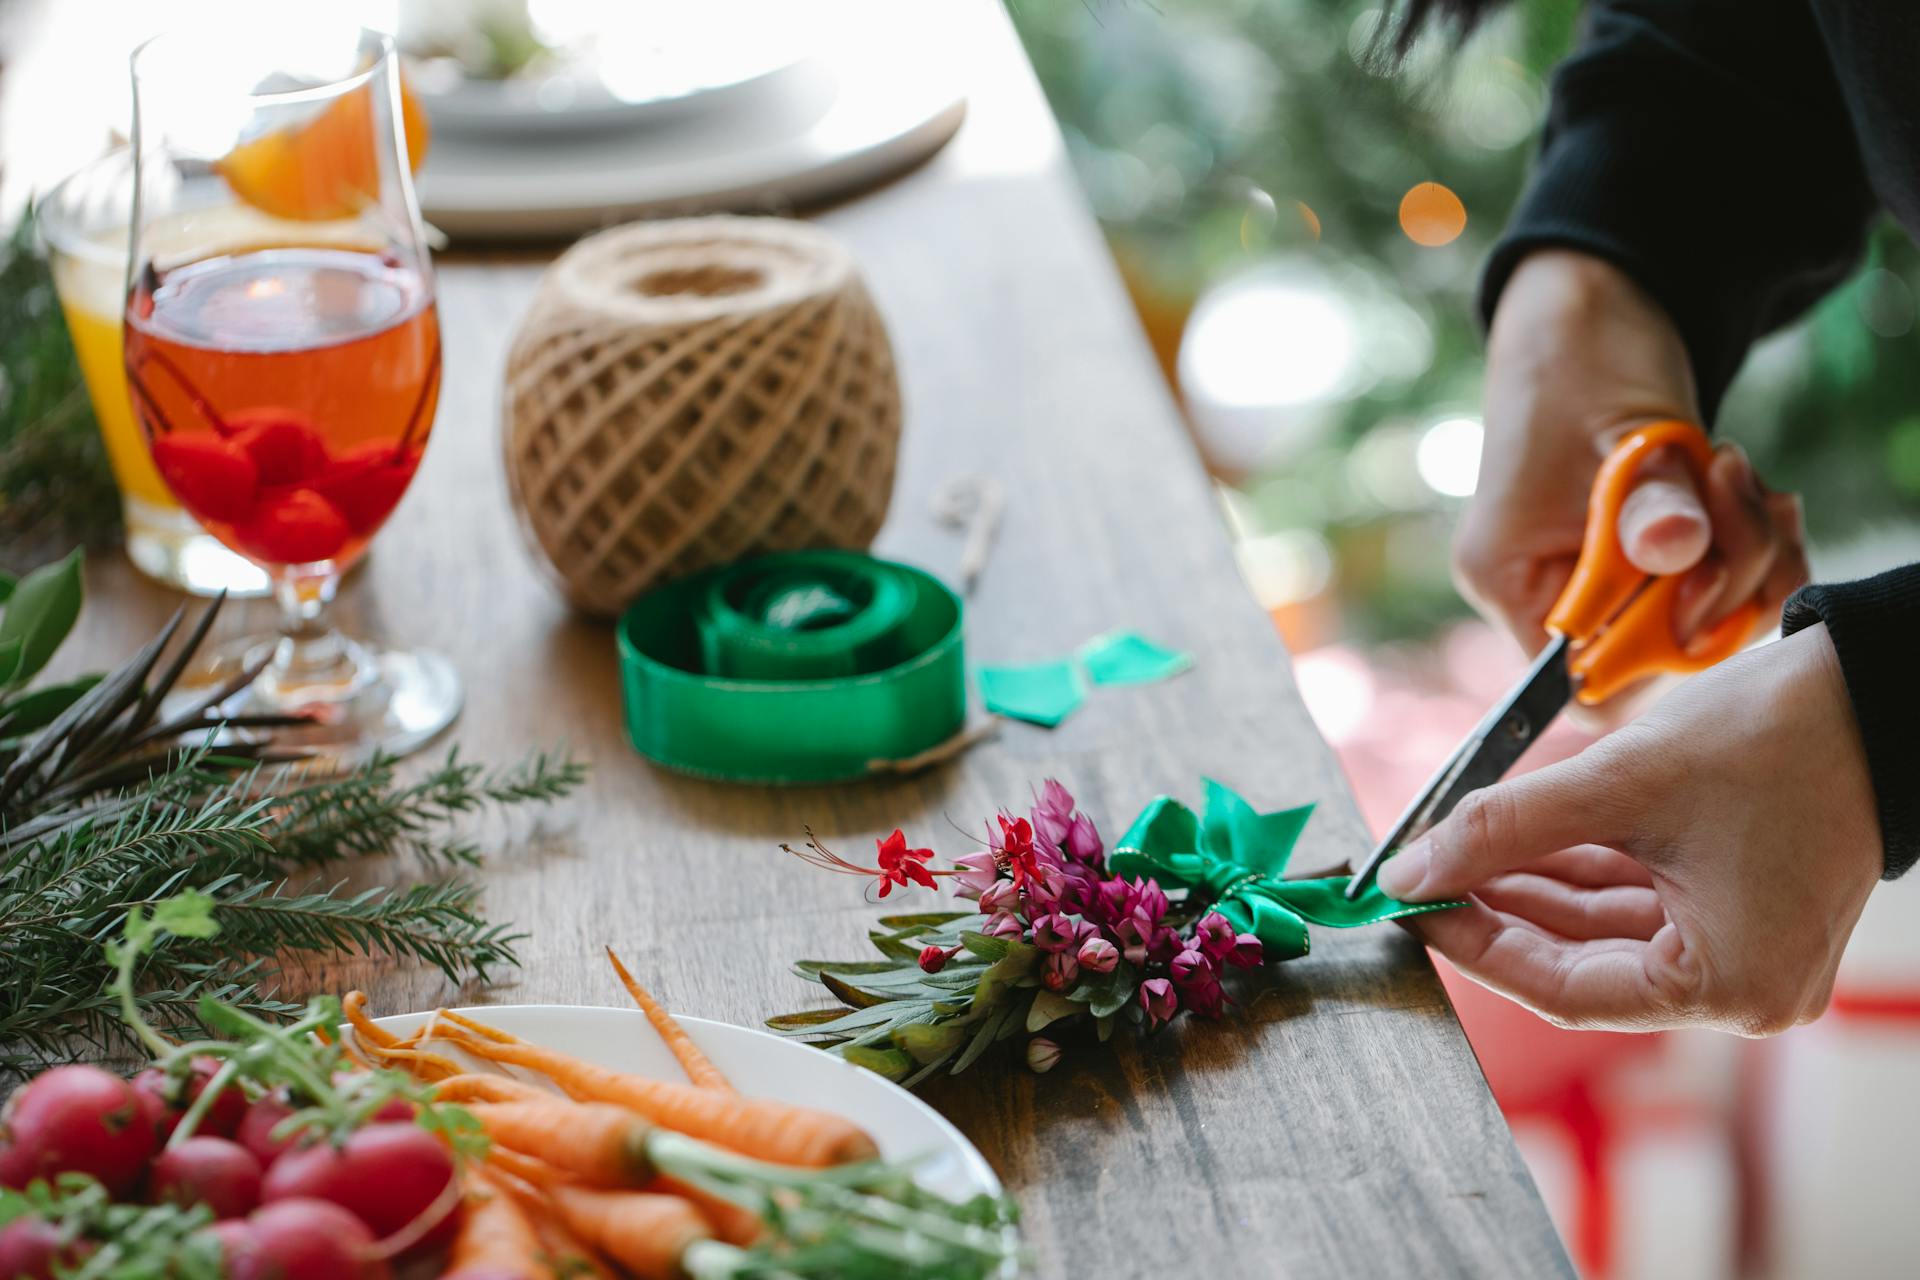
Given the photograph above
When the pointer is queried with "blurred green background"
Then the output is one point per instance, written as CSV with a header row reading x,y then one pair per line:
x,y
1248,160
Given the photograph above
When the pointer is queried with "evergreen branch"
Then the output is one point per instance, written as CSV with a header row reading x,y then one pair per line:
x,y
113,807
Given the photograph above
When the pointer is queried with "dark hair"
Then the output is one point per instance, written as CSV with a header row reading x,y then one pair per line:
x,y
1408,18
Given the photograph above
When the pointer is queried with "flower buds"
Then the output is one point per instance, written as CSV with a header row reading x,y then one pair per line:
x,y
1097,955
1042,1055
1158,1000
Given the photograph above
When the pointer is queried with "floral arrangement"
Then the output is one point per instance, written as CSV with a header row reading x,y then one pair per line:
x,y
1064,931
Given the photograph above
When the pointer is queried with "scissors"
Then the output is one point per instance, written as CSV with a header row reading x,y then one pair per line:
x,y
1611,626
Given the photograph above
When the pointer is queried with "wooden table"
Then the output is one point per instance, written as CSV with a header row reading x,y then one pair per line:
x,y
1339,1126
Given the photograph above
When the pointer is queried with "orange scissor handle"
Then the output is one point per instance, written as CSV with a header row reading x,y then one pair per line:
x,y
1620,637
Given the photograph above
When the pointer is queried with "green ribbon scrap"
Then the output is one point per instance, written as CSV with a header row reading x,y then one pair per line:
x,y
1235,857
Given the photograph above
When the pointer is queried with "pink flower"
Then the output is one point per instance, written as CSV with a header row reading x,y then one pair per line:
x,y
1053,813
977,872
1150,901
1041,892
934,959
1213,935
1083,843
1042,1055
1158,1000
1192,968
1000,896
1004,925
1198,979
899,864
1097,955
1060,972
1247,952
1054,932
1133,940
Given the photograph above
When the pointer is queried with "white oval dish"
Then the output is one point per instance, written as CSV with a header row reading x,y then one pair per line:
x,y
760,1065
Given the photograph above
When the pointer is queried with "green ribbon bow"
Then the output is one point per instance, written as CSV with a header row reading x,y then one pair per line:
x,y
1235,857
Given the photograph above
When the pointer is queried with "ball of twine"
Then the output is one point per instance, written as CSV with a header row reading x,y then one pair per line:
x,y
684,393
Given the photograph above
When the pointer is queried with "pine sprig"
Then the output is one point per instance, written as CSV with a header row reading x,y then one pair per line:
x,y
111,805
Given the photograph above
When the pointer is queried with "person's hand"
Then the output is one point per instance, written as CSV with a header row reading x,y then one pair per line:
x,y
1577,357
1704,865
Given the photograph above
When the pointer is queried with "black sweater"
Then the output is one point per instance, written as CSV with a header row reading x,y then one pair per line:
x,y
1728,154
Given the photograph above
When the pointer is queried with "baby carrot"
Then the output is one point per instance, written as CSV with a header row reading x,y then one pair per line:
x,y
474,1086
695,1063
645,1233
733,1223
565,1252
535,1173
597,1142
496,1238
757,1127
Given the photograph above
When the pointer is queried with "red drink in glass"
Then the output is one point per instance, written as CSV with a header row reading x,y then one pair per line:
x,y
287,394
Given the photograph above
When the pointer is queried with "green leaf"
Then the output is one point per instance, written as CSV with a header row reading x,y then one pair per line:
x,y
894,947
12,654
1115,990
7,584
40,612
924,920
853,996
929,1042
812,969
985,946
36,708
1049,1008
803,1019
1105,1027
186,915
894,1064
996,1021
825,1022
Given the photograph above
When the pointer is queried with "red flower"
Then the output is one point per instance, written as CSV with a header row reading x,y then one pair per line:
x,y
899,864
1017,850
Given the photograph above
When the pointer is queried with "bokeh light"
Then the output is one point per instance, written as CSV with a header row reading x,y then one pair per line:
x,y
1432,215
1273,337
1448,456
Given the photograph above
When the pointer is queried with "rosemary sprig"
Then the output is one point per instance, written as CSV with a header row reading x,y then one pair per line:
x,y
108,807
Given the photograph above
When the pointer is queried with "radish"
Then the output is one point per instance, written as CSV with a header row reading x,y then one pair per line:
x,y
305,1240
78,1119
216,1172
29,1248
255,1130
388,1175
167,1098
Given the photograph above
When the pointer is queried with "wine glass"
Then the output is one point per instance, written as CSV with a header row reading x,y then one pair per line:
x,y
282,346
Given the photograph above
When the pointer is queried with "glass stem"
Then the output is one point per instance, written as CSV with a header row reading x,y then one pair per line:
x,y
313,660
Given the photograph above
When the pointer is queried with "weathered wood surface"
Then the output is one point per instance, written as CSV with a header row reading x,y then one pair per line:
x,y
1340,1126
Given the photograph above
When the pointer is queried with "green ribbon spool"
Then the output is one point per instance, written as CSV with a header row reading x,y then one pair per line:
x,y
1235,858
802,667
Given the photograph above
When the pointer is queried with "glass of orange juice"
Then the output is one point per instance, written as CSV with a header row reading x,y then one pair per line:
x,y
84,221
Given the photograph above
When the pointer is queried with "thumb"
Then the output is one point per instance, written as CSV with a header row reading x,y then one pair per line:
x,y
1663,524
1499,828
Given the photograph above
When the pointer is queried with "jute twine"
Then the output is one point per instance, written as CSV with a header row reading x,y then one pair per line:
x,y
684,393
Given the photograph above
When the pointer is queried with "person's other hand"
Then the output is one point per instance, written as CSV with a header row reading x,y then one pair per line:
x,y
1577,357
1704,865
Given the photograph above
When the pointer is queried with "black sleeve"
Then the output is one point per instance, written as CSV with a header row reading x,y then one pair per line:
x,y
1704,148
1875,628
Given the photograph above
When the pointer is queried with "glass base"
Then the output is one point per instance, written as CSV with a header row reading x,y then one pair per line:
x,y
168,546
388,701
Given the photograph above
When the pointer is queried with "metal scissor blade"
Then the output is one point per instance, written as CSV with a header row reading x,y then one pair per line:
x,y
1484,758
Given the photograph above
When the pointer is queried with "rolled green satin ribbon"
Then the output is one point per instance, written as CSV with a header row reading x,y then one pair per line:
x,y
807,666
1235,857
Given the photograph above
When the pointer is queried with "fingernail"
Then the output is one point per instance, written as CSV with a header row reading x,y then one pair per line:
x,y
1402,875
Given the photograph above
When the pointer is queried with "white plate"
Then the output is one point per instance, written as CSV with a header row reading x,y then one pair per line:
x,y
879,96
759,1065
